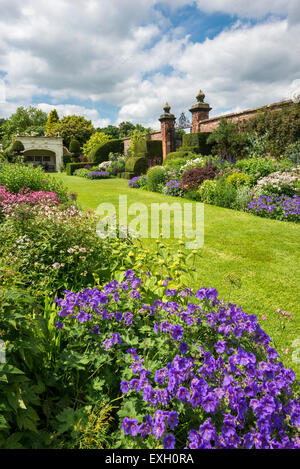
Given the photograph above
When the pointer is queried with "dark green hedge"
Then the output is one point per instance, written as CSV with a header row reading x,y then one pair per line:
x,y
197,141
101,152
71,167
137,166
175,155
154,148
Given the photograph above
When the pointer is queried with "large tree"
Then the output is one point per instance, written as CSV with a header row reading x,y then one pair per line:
x,y
75,127
25,121
52,126
98,138
111,130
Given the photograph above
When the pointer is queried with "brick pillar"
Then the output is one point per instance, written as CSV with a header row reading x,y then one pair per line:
x,y
200,112
167,121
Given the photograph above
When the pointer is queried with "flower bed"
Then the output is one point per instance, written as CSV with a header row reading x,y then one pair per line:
x,y
278,207
98,175
194,372
9,201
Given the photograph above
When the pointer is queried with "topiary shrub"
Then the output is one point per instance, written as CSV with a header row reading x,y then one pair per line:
x,y
193,178
136,166
238,179
74,147
101,152
155,176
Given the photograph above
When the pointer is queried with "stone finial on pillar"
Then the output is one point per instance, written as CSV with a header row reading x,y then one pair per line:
x,y
200,112
167,121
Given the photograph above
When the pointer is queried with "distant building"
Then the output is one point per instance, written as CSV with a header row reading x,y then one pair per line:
x,y
43,151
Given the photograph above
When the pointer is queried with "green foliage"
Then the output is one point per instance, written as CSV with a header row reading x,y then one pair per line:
x,y
292,152
228,142
17,147
243,198
197,142
101,152
82,172
97,139
74,147
52,125
224,195
75,127
257,146
24,121
136,166
206,191
282,127
71,167
155,176
257,168
111,130
238,179
154,149
138,147
175,155
19,176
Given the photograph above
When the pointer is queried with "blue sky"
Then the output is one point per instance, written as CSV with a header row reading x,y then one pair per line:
x,y
112,60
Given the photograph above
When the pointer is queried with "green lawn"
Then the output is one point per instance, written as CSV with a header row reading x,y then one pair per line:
x,y
263,254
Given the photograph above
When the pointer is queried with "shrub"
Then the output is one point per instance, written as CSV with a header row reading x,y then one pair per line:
x,y
74,146
71,167
193,178
20,176
292,152
194,163
136,166
98,175
227,140
155,176
175,155
257,168
66,159
197,141
82,172
281,182
224,195
243,198
101,152
206,191
277,207
238,179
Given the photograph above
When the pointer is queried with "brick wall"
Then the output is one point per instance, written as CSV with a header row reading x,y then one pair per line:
x,y
154,136
208,125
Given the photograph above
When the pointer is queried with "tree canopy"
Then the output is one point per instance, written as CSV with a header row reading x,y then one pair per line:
x,y
25,121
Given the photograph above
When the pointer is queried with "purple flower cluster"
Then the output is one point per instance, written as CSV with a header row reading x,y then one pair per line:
x,y
137,182
98,175
206,372
279,207
173,188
